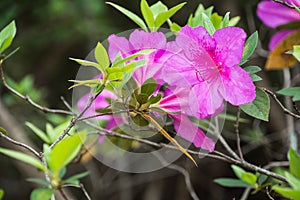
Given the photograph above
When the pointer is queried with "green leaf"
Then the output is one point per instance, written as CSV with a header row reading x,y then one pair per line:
x,y
296,52
65,151
260,107
175,27
130,15
287,192
228,182
255,78
42,193
38,132
252,69
39,181
155,99
101,56
75,179
292,91
142,98
250,46
149,86
249,178
294,162
7,35
292,180
238,171
261,179
131,57
233,21
1,194
23,157
2,130
216,20
163,17
140,121
208,24
86,63
225,21
147,14
158,8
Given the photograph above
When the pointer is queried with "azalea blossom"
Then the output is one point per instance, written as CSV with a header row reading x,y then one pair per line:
x,y
173,100
275,14
209,64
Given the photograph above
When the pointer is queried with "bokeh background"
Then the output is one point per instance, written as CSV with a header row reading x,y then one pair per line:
x,y
51,31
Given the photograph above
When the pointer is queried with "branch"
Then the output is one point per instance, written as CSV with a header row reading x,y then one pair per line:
x,y
237,133
28,99
280,104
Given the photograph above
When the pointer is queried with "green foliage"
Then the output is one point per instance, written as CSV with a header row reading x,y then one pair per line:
x,y
24,158
75,178
260,107
101,57
252,70
147,13
250,46
42,193
229,182
294,159
292,91
296,52
1,194
2,130
7,35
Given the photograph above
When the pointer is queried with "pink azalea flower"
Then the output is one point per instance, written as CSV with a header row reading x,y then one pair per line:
x,y
209,66
275,14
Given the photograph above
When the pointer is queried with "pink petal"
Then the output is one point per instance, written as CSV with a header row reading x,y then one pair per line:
x,y
237,86
175,100
293,2
275,14
230,45
118,45
278,37
187,130
144,40
205,100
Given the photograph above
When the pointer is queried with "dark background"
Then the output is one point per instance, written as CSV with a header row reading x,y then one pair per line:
x,y
49,32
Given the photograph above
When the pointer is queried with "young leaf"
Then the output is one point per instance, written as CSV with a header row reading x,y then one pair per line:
x,y
260,107
7,35
233,21
130,15
296,52
65,151
42,193
75,179
294,163
39,181
225,21
158,8
216,20
252,69
228,182
3,131
249,178
250,46
147,13
38,132
86,63
163,17
293,181
255,78
1,194
261,179
23,157
292,91
101,56
287,192
238,171
208,24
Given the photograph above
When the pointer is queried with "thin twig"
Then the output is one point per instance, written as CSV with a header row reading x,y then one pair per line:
x,y
277,164
296,108
280,104
268,194
20,144
237,133
84,191
245,194
227,147
27,98
63,194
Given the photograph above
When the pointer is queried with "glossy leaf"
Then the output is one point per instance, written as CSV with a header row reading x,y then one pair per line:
x,y
287,192
42,193
208,24
163,17
228,182
292,91
7,35
260,107
147,13
250,46
278,58
23,157
294,159
130,15
65,151
101,56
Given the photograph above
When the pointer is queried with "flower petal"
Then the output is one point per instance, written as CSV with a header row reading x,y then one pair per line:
x,y
187,130
175,100
237,86
144,40
118,45
275,14
230,45
278,37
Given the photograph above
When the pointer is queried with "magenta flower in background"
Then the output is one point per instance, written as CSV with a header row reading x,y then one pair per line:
x,y
210,66
275,14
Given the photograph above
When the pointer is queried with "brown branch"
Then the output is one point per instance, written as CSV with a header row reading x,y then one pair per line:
x,y
237,133
285,110
277,164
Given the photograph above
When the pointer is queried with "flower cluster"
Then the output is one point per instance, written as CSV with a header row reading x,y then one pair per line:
x,y
194,75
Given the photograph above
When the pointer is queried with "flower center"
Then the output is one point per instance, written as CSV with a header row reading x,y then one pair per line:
x,y
208,74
